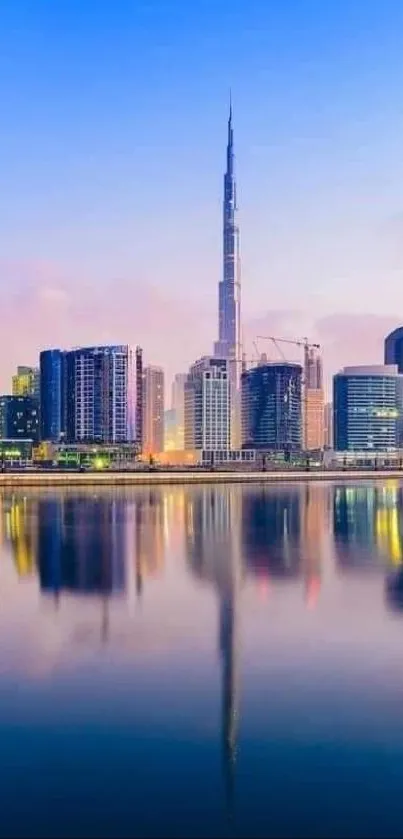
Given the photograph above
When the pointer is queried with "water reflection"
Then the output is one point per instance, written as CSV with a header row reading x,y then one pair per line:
x,y
149,525
213,551
81,545
156,549
367,524
284,535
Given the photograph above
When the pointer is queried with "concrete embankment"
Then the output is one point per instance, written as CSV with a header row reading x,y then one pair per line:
x,y
128,479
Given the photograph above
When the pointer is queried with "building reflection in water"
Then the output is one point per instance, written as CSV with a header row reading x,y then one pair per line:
x,y
271,531
283,533
149,535
213,549
367,525
18,517
81,545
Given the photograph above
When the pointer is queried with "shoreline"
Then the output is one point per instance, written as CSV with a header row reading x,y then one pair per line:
x,y
132,479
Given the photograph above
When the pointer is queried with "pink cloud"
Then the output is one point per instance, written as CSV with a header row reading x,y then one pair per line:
x,y
43,307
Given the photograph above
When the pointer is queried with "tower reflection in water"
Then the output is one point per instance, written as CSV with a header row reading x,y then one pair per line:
x,y
280,532
212,522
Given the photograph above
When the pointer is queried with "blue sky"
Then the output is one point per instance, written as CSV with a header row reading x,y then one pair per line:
x,y
112,151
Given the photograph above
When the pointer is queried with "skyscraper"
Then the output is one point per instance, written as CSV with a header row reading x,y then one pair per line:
x,y
314,400
228,345
53,395
366,408
138,422
207,405
100,395
90,395
272,407
153,410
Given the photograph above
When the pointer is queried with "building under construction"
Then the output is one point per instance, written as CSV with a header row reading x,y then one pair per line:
x,y
272,407
283,401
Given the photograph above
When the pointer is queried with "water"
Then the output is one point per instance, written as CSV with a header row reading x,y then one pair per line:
x,y
212,661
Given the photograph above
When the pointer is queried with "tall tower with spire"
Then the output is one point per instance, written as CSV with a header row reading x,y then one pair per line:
x,y
229,295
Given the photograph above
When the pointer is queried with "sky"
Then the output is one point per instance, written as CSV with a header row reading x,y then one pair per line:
x,y
112,152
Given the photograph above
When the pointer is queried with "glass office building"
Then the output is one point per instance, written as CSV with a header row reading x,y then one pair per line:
x,y
272,407
52,365
366,408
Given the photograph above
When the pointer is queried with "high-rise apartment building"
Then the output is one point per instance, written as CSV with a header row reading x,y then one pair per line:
x,y
89,395
100,394
153,410
25,382
228,345
314,401
208,405
272,407
19,418
366,409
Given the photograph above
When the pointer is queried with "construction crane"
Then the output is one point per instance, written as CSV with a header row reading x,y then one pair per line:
x,y
307,347
297,342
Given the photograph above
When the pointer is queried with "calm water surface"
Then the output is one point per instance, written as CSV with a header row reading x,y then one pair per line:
x,y
212,661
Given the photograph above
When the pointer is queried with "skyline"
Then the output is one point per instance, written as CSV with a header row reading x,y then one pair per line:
x,y
114,124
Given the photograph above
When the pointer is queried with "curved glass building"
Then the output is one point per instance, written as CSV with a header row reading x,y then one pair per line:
x,y
366,408
272,407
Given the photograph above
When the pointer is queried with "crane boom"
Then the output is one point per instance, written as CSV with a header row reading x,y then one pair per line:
x,y
298,342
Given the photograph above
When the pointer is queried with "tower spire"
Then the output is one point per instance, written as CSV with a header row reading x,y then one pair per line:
x,y
228,345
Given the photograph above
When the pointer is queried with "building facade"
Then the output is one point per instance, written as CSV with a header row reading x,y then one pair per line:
x,y
314,401
272,407
138,420
314,429
53,395
90,394
153,410
208,405
100,395
365,408
26,382
19,418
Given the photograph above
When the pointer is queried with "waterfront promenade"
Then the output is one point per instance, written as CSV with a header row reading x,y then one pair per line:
x,y
50,479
